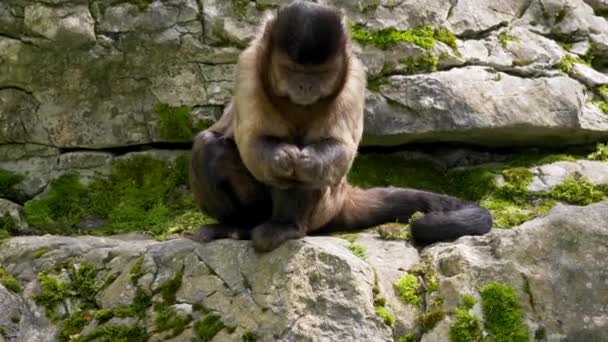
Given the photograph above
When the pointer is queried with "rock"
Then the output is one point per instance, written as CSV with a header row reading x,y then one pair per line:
x,y
390,260
547,177
588,75
306,290
73,26
556,264
476,105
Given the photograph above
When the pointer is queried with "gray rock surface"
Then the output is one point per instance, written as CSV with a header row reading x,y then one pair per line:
x,y
547,177
478,105
308,290
556,264
89,74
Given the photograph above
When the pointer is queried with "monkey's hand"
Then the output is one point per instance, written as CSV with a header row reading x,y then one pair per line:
x,y
283,164
323,163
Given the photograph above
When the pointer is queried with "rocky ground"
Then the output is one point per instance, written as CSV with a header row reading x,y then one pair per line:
x,y
500,102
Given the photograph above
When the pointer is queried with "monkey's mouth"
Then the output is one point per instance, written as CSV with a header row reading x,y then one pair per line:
x,y
304,101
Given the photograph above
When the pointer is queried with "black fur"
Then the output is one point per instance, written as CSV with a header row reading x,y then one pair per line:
x,y
446,218
310,34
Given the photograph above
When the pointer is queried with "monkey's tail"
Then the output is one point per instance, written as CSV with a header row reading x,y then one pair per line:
x,y
446,218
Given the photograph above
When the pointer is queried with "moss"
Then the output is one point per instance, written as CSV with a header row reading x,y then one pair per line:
x,y
249,336
358,250
8,225
448,37
117,334
350,237
394,231
239,7
601,153
136,271
408,288
72,326
468,301
82,285
502,313
9,281
603,91
174,122
385,38
208,327
504,38
410,337
141,4
466,327
52,293
141,193
169,288
424,64
166,319
386,317
521,63
578,191
262,5
429,320
8,180
40,252
602,105
567,63
140,305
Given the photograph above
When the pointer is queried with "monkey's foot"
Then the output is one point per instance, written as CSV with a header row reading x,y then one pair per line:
x,y
217,231
269,236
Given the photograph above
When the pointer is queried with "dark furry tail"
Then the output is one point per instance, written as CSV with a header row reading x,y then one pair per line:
x,y
446,218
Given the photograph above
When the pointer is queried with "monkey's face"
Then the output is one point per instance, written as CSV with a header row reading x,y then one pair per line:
x,y
304,85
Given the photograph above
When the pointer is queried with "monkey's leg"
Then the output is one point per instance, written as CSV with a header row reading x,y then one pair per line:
x,y
291,211
224,189
446,218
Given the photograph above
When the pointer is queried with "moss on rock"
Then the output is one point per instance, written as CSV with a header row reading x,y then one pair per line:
x,y
140,194
503,318
8,180
208,327
408,288
358,250
9,281
175,122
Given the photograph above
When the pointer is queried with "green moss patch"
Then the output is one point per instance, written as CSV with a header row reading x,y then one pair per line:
x,y
408,289
425,37
175,122
8,180
141,4
504,38
358,250
425,64
208,327
567,63
380,305
8,226
52,293
141,194
169,288
466,327
73,325
579,191
9,281
249,336
601,153
502,313
168,319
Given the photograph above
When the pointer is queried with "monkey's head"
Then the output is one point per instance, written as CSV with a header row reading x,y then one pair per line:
x,y
308,50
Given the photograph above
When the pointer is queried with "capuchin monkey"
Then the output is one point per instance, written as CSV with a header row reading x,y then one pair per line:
x,y
274,166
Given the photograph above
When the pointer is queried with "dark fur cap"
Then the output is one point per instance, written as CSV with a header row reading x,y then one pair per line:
x,y
308,33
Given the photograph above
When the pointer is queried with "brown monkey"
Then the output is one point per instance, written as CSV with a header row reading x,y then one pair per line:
x,y
274,166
